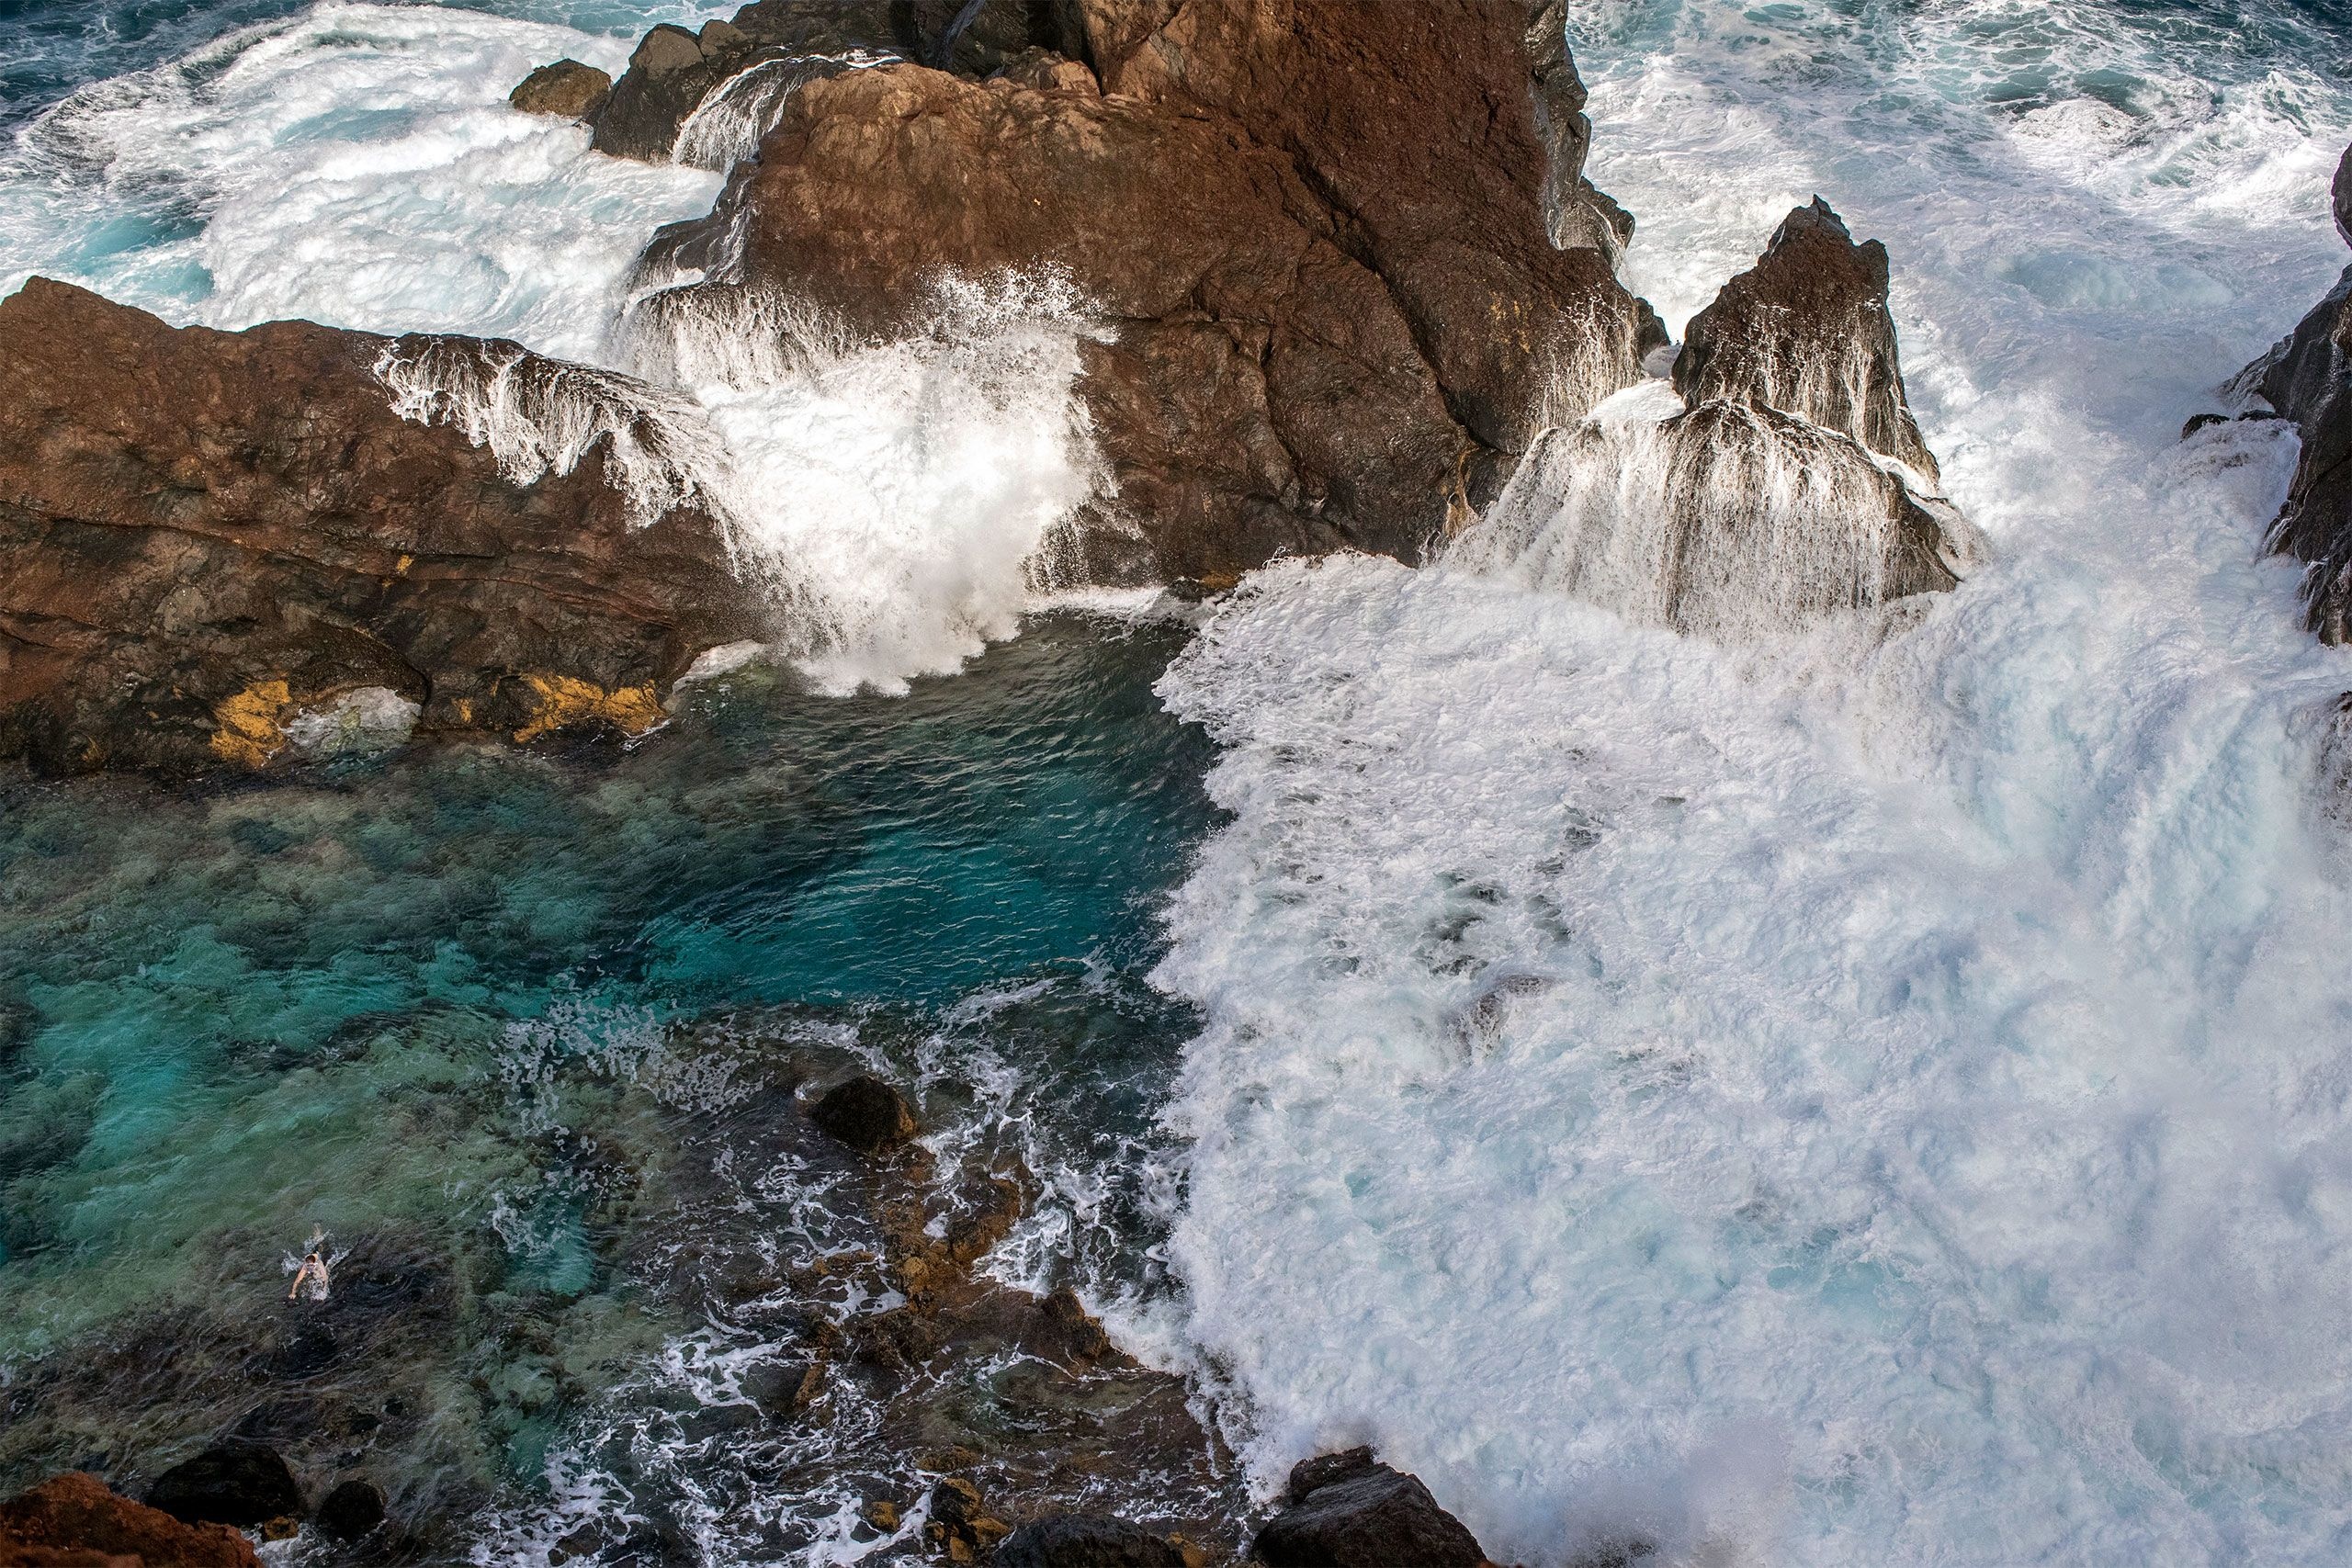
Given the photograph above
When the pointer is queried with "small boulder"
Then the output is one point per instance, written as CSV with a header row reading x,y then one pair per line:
x,y
866,1114
961,1528
2343,194
1321,1470
1087,1540
240,1484
352,1509
1356,1513
567,89
76,1513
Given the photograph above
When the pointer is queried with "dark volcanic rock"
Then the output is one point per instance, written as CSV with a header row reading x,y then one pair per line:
x,y
866,1114
566,88
74,1518
1364,1515
233,1483
1087,1540
2307,377
673,70
1806,331
1341,317
352,1509
205,535
1321,1470
1577,214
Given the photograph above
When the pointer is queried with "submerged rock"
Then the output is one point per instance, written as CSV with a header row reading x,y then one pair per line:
x,y
351,1510
1087,1540
74,1521
866,1114
1336,325
237,1484
1349,1511
566,88
1806,331
210,540
2307,377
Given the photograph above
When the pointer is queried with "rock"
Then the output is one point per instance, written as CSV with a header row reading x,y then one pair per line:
x,y
674,70
1087,1540
2307,377
239,1484
1806,331
72,1520
566,88
2342,192
1339,323
186,574
1364,1515
1072,1335
960,1528
882,1513
866,1114
1321,1470
351,1510
1576,214
1727,521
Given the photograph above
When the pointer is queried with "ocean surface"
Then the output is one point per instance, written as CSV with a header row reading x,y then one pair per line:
x,y
1877,1096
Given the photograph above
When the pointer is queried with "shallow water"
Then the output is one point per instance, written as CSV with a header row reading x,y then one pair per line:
x,y
488,1010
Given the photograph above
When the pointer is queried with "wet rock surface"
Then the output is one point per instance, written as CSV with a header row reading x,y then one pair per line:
x,y
1349,1511
241,1483
2307,377
673,70
206,535
74,1521
1339,323
1806,331
567,89
1088,1541
862,1350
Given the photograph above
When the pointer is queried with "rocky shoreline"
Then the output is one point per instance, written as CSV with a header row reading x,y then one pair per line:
x,y
1373,276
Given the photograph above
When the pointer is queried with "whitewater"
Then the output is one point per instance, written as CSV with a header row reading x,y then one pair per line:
x,y
1871,1096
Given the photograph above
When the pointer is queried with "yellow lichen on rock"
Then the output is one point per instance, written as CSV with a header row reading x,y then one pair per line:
x,y
565,700
249,732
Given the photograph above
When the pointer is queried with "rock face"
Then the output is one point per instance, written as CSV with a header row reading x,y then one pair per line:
x,y
208,540
1791,484
234,1483
674,70
1348,1511
1339,320
1087,1540
2307,377
73,1521
566,88
1578,215
1806,331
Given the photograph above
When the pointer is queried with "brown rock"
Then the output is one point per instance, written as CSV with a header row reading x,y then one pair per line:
x,y
866,1114
73,1521
202,533
1313,228
566,88
1806,331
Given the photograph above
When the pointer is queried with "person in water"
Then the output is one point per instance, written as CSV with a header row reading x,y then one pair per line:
x,y
313,1273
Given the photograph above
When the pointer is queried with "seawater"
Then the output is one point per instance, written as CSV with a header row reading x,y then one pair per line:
x,y
1879,1095
1874,1096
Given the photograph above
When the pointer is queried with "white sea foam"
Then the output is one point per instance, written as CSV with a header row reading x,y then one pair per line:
x,y
1872,1097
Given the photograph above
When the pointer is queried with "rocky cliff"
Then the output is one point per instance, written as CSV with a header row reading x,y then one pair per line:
x,y
214,543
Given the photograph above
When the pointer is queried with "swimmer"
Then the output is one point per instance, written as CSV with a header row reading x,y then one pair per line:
x,y
313,1273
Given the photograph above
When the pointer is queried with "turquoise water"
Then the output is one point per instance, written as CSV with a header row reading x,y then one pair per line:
x,y
433,1005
